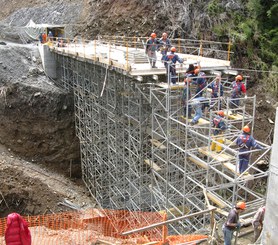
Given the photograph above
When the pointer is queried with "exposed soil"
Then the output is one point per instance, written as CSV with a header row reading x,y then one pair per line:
x,y
37,118
31,188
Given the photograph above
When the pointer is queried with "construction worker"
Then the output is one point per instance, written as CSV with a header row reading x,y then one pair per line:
x,y
50,36
238,89
40,37
219,127
258,222
186,95
216,89
245,142
44,37
232,223
200,81
170,61
17,231
151,48
165,45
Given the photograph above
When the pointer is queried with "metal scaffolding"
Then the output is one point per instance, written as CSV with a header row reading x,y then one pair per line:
x,y
140,151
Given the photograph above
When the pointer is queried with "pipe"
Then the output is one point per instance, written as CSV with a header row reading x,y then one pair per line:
x,y
168,221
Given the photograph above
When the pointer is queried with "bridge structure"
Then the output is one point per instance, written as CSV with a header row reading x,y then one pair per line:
x,y
139,149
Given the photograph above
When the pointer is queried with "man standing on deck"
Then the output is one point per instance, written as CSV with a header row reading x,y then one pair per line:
x,y
151,48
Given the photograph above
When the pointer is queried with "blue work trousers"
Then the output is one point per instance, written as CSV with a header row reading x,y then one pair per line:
x,y
243,162
198,114
234,103
228,235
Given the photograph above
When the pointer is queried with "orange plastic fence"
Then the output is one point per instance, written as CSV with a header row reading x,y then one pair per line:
x,y
86,227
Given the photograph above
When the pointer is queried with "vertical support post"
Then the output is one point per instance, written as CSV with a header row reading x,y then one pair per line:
x,y
83,44
229,49
126,56
179,45
95,50
109,52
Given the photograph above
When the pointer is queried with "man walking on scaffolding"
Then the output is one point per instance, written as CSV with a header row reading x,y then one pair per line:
x,y
245,142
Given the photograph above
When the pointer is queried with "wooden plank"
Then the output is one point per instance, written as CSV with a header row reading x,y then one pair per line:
x,y
175,212
232,168
158,144
199,163
152,164
221,157
201,121
176,86
215,199
229,142
223,212
231,116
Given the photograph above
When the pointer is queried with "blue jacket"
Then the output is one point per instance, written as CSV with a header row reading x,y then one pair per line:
x,y
238,89
152,44
220,125
216,87
246,142
201,81
173,58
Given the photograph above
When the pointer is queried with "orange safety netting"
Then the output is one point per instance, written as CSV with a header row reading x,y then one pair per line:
x,y
87,227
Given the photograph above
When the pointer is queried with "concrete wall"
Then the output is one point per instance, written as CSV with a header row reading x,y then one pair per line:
x,y
269,234
48,61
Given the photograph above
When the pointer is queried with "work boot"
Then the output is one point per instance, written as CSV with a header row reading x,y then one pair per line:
x,y
154,65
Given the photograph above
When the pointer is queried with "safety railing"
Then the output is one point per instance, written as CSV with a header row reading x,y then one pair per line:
x,y
209,49
106,226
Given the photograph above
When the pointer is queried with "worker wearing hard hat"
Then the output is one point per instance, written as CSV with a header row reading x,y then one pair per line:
x,y
238,89
170,61
245,142
232,223
220,126
200,81
151,47
165,45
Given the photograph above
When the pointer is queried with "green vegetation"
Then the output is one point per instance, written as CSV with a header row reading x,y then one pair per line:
x,y
253,28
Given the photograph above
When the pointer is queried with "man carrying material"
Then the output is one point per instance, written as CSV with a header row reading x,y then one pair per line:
x,y
232,223
245,142
220,126
151,48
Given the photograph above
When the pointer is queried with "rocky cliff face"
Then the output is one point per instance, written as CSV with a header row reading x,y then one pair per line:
x,y
36,117
180,18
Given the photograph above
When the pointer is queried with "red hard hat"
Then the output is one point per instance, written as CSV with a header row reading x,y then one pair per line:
x,y
246,129
239,77
153,35
221,113
241,205
173,49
